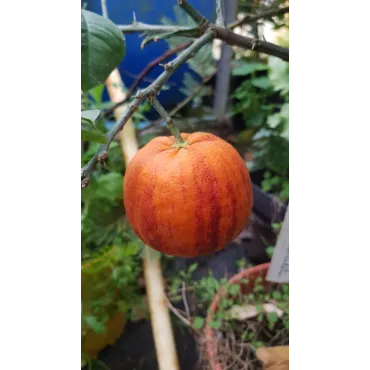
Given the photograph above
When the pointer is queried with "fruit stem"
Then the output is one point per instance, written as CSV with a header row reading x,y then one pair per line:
x,y
180,142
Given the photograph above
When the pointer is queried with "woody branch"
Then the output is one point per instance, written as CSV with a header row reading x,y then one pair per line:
x,y
149,92
207,32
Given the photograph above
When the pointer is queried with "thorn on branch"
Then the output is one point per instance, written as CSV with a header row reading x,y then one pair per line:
x,y
255,43
139,94
85,181
103,156
168,66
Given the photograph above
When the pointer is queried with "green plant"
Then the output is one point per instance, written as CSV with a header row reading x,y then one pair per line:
x,y
275,184
102,49
263,100
266,308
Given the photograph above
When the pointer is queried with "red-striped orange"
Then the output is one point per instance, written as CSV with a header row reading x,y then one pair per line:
x,y
190,201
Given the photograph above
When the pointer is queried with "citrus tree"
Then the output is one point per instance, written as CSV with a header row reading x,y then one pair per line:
x,y
103,48
205,191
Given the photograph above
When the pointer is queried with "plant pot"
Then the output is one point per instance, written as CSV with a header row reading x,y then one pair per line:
x,y
95,277
210,335
267,206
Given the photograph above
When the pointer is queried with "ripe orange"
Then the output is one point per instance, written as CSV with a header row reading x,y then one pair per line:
x,y
190,201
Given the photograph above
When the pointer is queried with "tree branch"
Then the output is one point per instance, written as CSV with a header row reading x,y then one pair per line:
x,y
180,142
144,27
190,97
145,71
194,14
208,31
151,91
254,18
104,8
231,38
222,33
220,11
182,104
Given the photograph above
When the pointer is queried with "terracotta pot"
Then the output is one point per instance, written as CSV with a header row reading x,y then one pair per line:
x,y
211,341
95,275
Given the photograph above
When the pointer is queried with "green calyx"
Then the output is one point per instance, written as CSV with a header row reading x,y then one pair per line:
x,y
185,144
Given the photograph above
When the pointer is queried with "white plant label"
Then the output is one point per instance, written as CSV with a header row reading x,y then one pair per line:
x,y
279,268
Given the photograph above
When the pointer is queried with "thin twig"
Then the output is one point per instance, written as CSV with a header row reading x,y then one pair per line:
x,y
145,71
104,8
151,91
183,290
186,31
194,14
177,313
180,142
254,18
220,11
139,27
184,102
190,97
249,43
222,33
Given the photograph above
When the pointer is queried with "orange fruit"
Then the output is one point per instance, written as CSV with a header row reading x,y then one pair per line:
x,y
188,201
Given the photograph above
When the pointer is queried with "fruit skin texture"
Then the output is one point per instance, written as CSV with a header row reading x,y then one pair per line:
x,y
190,201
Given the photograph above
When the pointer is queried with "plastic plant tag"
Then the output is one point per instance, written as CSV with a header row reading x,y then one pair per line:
x,y
279,268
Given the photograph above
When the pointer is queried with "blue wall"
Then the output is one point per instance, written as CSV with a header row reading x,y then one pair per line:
x,y
148,11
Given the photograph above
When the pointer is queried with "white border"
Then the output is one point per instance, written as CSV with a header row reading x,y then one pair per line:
x,y
40,185
329,185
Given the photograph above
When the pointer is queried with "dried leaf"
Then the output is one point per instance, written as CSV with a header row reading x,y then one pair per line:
x,y
248,311
274,358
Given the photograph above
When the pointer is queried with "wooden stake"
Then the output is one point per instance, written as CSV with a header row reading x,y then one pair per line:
x,y
155,289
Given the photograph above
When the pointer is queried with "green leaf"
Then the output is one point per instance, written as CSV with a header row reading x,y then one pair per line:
x,y
251,297
276,295
248,68
198,322
192,267
94,324
257,119
88,131
91,135
215,324
109,186
102,49
97,94
157,37
261,82
279,75
234,289
270,252
274,120
272,317
91,114
202,63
